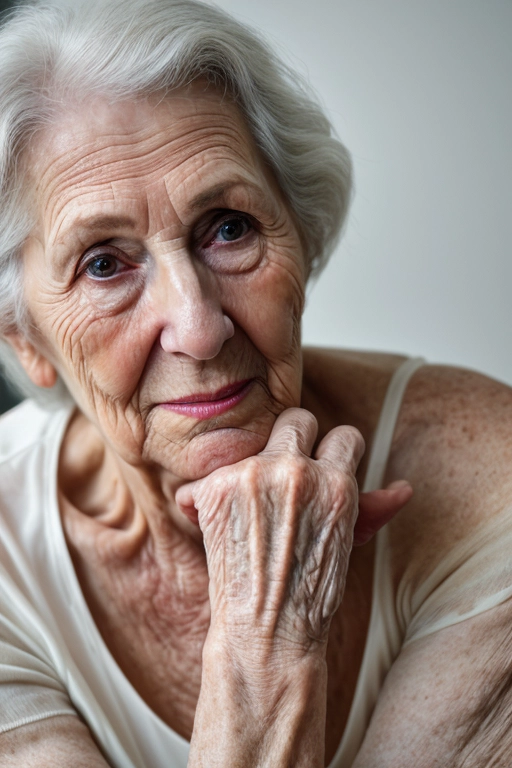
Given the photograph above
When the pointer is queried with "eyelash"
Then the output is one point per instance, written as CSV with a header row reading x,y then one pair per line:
x,y
103,252
207,240
221,219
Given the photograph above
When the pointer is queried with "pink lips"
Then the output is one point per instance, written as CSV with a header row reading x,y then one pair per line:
x,y
206,405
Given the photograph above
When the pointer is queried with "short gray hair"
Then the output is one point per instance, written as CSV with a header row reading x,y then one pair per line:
x,y
53,49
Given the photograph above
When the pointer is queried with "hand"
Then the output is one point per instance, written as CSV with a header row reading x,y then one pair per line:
x,y
278,530
376,508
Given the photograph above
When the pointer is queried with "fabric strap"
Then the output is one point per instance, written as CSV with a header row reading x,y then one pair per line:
x,y
387,422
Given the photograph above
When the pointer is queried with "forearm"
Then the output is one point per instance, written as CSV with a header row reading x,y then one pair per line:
x,y
259,710
277,531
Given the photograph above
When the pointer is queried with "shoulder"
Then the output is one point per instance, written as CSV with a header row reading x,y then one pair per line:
x,y
30,438
347,386
453,442
22,427
447,697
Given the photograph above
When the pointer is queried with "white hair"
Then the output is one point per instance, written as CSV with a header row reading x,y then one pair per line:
x,y
55,50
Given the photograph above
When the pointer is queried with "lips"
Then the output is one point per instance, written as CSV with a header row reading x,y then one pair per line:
x,y
205,405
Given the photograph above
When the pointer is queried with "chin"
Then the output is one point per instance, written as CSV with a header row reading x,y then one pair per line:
x,y
218,448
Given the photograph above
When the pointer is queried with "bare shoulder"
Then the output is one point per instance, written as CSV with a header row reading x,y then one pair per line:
x,y
453,442
447,699
347,386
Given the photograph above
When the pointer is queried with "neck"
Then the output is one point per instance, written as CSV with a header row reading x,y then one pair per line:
x,y
104,488
142,569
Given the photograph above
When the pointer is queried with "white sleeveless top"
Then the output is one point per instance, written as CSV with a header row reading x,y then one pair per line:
x,y
383,638
53,660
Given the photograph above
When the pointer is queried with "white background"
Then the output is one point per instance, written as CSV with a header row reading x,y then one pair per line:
x,y
421,93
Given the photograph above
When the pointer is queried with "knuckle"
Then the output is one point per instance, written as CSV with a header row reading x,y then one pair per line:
x,y
344,484
353,438
249,473
298,426
301,415
350,442
341,492
349,490
292,467
308,420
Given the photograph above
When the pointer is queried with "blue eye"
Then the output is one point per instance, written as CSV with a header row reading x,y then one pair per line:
x,y
232,229
232,243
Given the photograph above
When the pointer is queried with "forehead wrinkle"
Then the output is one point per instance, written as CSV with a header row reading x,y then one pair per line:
x,y
228,135
61,223
162,217
78,166
227,185
66,183
70,171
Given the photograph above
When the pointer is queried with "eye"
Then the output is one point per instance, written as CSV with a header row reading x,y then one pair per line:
x,y
104,266
103,263
232,228
231,242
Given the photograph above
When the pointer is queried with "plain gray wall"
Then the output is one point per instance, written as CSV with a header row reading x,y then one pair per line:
x,y
420,91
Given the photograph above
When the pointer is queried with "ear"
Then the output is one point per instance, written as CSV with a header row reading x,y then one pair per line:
x,y
38,368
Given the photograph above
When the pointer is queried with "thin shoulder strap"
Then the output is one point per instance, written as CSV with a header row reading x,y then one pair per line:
x,y
387,422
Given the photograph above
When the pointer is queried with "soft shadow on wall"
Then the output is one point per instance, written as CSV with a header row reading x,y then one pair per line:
x,y
7,398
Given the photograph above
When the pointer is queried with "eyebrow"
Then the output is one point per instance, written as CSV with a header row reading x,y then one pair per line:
x,y
99,223
102,222
218,192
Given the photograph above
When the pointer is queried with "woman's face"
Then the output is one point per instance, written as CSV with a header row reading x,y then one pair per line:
x,y
165,279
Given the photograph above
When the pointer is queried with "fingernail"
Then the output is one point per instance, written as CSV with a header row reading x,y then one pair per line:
x,y
398,484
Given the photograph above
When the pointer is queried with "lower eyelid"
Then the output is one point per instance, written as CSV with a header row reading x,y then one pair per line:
x,y
227,259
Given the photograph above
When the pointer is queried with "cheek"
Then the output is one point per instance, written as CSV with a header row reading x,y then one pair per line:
x,y
268,306
102,363
115,351
99,354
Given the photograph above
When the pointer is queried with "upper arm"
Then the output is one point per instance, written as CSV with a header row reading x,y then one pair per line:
x,y
447,700
453,443
57,742
39,726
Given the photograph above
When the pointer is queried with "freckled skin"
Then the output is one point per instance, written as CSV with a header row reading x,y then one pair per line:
x,y
141,188
153,333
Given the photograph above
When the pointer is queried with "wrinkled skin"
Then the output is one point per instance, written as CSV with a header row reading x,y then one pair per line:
x,y
137,300
278,533
184,313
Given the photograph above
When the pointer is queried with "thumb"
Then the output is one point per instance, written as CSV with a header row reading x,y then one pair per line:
x,y
377,508
185,501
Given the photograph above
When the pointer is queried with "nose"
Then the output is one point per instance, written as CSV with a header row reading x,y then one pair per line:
x,y
194,321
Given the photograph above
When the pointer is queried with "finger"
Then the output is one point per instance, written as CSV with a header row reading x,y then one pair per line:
x,y
343,447
185,501
377,508
295,430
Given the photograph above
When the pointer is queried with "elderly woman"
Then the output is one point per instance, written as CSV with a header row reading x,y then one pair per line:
x,y
179,497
